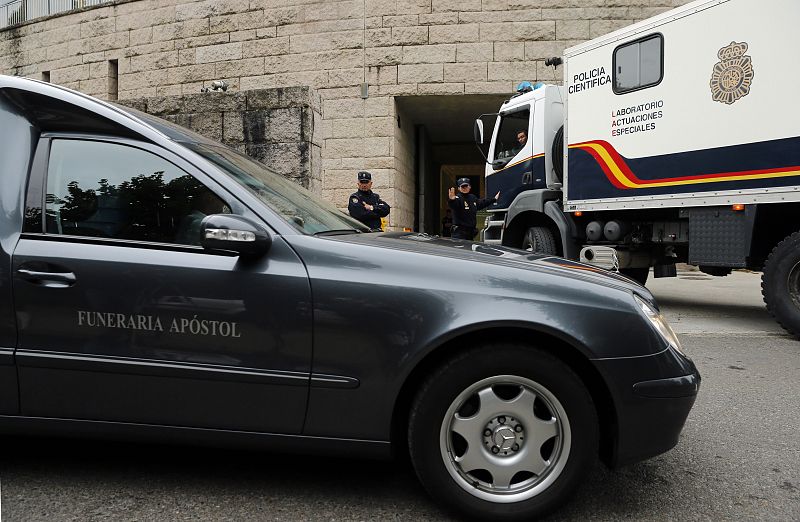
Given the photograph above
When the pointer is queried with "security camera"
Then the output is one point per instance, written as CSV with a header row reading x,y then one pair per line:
x,y
555,61
219,85
216,85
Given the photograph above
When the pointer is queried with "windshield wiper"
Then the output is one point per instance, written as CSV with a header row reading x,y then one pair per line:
x,y
337,232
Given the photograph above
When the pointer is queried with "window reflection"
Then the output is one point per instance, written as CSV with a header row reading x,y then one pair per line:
x,y
107,190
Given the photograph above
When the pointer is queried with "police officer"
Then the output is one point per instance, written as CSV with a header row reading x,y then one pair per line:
x,y
465,209
365,205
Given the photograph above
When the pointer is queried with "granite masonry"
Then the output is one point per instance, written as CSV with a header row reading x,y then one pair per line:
x,y
159,49
275,126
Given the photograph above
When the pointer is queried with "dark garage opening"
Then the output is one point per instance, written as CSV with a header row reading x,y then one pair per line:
x,y
444,149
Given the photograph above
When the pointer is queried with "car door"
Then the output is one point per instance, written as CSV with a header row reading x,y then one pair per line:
x,y
123,317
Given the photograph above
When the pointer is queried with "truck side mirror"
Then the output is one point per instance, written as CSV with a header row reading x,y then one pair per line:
x,y
500,163
235,234
478,131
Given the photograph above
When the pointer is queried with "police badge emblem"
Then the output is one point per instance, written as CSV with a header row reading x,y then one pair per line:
x,y
355,200
732,75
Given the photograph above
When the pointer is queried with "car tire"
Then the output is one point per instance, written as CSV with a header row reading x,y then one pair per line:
x,y
780,283
639,274
503,432
540,240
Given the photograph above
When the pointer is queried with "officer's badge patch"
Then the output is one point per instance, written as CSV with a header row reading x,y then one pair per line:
x,y
355,200
732,75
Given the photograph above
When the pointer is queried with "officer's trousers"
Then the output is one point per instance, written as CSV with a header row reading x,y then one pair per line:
x,y
460,232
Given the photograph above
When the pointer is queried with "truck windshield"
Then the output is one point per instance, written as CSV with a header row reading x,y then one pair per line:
x,y
300,208
512,135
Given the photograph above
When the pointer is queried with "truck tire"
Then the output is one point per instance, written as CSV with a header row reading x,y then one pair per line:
x,y
558,154
780,284
503,432
637,274
540,240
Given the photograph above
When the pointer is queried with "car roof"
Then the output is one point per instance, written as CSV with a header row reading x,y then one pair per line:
x,y
55,108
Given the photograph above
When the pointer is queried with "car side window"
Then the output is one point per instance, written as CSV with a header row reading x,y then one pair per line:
x,y
108,190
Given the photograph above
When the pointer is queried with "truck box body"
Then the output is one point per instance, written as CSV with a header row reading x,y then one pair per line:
x,y
716,122
679,138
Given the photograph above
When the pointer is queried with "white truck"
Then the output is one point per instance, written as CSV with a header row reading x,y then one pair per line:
x,y
676,139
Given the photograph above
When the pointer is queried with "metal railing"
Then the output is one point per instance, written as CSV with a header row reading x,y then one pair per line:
x,y
18,11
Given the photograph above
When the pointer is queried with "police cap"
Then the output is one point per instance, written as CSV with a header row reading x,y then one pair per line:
x,y
364,176
463,181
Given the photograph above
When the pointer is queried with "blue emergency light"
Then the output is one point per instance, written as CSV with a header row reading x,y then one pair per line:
x,y
524,87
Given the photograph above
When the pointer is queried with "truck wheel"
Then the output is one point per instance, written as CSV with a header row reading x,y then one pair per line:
x,y
540,240
639,274
503,432
558,154
780,283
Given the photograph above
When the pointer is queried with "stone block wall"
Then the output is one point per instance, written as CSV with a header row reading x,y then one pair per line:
x,y
398,47
274,126
403,151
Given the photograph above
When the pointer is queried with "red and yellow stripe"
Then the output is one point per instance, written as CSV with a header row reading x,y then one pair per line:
x,y
621,176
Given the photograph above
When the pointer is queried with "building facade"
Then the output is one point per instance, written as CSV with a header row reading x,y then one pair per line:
x,y
394,85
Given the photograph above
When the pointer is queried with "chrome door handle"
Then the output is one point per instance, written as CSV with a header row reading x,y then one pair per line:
x,y
48,278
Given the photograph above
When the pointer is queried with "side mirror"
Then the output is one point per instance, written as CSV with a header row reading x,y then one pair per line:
x,y
234,233
478,131
500,163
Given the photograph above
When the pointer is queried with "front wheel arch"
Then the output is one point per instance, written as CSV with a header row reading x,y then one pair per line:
x,y
556,346
514,234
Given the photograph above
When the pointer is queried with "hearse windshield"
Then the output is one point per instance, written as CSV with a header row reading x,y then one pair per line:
x,y
303,210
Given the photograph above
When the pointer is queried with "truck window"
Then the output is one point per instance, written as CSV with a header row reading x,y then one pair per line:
x,y
639,64
98,189
509,141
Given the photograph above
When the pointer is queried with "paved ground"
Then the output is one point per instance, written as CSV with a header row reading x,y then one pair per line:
x,y
738,459
696,303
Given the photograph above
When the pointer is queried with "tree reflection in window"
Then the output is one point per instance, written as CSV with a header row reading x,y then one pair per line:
x,y
159,207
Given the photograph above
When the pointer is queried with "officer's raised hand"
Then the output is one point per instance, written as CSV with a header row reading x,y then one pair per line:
x,y
451,193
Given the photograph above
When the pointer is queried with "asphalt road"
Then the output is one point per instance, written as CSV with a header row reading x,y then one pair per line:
x,y
738,458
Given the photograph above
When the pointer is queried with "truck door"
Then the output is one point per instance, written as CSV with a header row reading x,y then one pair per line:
x,y
122,317
511,157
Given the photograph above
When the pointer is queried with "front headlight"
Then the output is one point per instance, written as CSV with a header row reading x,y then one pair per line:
x,y
659,323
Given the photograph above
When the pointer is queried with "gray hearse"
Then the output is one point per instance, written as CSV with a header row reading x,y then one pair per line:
x,y
155,285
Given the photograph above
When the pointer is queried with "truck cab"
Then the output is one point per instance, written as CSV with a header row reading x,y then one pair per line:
x,y
525,164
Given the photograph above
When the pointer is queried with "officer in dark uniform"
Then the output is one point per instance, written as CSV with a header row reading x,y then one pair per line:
x,y
365,205
465,209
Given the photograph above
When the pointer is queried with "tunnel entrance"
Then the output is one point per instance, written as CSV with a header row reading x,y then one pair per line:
x,y
443,150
